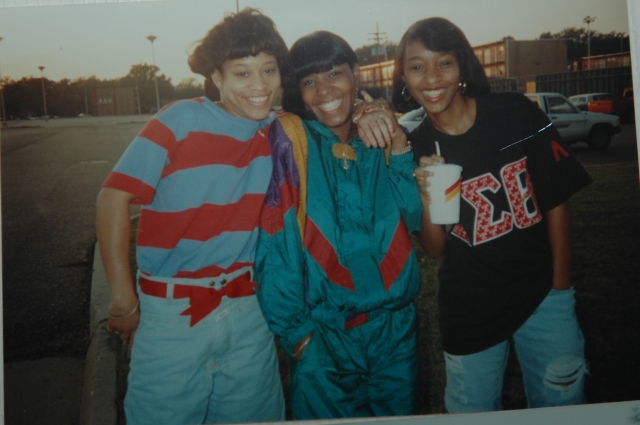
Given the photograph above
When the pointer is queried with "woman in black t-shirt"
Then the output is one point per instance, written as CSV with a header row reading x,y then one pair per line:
x,y
506,266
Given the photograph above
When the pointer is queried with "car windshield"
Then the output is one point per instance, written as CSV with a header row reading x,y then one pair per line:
x,y
558,105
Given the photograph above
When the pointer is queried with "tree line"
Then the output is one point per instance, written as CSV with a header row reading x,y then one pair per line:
x,y
24,98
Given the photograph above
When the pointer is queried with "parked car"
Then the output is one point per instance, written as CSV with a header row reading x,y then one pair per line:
x,y
607,103
412,119
575,125
581,100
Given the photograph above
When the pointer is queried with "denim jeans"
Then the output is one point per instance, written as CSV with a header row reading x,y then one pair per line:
x,y
550,350
222,369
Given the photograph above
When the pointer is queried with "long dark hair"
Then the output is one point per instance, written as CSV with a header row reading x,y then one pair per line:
x,y
314,53
439,35
239,35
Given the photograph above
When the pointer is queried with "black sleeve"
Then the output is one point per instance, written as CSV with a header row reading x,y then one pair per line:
x,y
555,173
421,143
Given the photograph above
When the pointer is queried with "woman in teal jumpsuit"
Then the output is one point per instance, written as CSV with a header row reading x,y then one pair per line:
x,y
336,271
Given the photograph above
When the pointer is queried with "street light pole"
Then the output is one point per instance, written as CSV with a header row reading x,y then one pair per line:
x,y
151,38
4,113
44,96
588,21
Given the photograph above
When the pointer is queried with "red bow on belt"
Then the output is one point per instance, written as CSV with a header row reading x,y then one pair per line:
x,y
203,301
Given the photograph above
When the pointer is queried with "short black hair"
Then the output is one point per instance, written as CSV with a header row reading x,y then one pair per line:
x,y
314,53
439,35
239,35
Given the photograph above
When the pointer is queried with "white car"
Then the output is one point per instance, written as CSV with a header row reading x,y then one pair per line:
x,y
575,125
412,119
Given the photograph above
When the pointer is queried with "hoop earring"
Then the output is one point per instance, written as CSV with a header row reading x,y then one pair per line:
x,y
463,87
405,94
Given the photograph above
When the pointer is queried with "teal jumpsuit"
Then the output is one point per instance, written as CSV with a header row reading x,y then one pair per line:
x,y
350,282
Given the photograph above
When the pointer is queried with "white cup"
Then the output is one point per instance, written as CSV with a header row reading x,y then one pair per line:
x,y
445,185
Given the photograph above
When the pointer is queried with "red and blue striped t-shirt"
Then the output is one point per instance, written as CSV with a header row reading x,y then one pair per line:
x,y
201,176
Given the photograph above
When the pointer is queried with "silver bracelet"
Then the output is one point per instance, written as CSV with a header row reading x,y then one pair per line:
x,y
126,315
402,151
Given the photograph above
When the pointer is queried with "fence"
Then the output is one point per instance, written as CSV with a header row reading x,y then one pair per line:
x,y
504,84
115,101
608,80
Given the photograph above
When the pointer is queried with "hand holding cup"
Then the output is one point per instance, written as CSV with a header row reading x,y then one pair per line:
x,y
422,175
444,182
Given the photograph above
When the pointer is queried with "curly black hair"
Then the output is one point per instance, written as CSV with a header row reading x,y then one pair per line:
x,y
239,35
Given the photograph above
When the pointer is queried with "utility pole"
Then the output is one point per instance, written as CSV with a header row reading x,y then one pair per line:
x,y
588,21
86,101
135,79
4,112
379,37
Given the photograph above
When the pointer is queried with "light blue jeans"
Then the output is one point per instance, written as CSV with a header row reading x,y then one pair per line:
x,y
223,369
550,350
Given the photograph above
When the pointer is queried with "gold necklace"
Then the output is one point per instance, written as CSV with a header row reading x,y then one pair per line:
x,y
345,151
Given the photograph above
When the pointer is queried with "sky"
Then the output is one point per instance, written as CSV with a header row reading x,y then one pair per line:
x,y
80,38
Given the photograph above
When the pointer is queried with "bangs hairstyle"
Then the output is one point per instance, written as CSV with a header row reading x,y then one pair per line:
x,y
312,54
239,35
442,36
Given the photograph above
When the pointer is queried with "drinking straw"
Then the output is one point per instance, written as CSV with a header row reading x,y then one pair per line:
x,y
438,149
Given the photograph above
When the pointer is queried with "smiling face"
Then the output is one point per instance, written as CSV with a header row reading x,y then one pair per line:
x,y
433,79
330,96
248,86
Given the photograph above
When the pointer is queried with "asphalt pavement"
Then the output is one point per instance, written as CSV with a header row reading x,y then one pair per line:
x,y
623,148
53,390
51,174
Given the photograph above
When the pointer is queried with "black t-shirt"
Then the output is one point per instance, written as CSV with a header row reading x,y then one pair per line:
x,y
497,265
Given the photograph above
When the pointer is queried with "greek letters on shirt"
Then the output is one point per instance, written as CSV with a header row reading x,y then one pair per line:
x,y
524,210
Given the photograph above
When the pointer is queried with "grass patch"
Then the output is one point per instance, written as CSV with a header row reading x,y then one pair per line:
x,y
606,238
606,276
